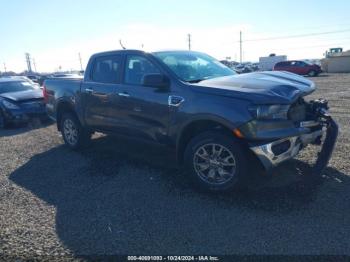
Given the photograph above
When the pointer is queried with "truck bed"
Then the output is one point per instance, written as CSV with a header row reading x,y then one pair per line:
x,y
58,89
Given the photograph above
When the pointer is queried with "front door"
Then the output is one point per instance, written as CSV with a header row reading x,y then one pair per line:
x,y
147,107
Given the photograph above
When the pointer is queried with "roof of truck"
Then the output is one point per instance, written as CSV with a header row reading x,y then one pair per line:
x,y
118,51
135,51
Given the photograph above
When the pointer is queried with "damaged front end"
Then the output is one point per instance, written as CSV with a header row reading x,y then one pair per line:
x,y
308,123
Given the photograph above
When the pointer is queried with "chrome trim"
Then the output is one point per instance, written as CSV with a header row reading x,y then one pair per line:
x,y
170,103
124,94
270,160
309,123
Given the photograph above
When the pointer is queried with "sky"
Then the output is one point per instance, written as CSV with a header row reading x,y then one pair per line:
x,y
55,32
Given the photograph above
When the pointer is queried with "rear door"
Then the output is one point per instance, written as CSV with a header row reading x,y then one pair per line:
x,y
99,93
147,107
303,67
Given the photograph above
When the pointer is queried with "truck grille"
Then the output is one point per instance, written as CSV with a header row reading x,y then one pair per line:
x,y
297,111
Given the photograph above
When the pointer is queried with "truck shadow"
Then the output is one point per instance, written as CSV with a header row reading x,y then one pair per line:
x,y
116,196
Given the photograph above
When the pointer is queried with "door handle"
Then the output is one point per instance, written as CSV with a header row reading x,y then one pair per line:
x,y
124,94
89,90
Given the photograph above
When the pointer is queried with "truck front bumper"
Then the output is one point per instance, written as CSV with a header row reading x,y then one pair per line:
x,y
273,153
276,152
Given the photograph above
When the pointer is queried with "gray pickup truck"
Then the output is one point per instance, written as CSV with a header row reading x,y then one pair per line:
x,y
213,119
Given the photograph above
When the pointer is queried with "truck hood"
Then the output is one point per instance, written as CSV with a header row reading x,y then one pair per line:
x,y
259,87
23,95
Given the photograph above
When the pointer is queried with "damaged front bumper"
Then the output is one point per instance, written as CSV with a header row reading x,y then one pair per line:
x,y
273,153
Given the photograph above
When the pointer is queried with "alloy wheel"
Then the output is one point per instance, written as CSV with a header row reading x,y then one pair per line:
x,y
214,163
70,131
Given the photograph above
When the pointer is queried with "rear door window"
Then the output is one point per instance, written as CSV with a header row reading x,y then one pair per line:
x,y
107,69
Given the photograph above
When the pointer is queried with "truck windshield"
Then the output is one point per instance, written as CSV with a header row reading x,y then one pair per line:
x,y
15,86
192,66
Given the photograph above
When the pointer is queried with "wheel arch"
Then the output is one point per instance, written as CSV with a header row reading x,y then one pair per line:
x,y
196,127
61,108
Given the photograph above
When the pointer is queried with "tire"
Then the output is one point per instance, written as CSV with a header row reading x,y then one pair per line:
x,y
74,135
230,166
312,73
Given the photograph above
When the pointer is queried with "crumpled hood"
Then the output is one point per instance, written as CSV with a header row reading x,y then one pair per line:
x,y
268,87
23,95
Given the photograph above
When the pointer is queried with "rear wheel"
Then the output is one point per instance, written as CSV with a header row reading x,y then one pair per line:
x,y
74,135
215,162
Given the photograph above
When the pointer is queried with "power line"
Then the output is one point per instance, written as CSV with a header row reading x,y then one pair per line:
x,y
296,36
298,29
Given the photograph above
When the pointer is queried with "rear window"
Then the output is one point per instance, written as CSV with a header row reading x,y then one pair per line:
x,y
106,69
15,86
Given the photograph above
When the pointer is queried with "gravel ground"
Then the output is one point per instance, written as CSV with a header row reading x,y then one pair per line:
x,y
119,197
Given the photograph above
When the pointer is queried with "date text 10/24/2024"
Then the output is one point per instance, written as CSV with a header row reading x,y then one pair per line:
x,y
173,258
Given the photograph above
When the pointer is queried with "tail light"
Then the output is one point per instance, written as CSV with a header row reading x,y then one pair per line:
x,y
46,98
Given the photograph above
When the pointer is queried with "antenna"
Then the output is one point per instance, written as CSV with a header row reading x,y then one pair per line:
x,y
121,44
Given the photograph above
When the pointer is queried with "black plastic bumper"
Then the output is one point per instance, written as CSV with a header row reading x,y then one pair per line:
x,y
328,145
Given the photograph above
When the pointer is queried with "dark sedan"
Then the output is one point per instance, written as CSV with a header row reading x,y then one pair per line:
x,y
20,101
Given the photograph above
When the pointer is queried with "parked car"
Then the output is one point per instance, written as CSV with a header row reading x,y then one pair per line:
x,y
298,67
65,75
34,78
216,122
19,101
25,79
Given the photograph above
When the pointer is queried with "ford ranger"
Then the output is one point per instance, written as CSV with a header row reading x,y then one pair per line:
x,y
213,119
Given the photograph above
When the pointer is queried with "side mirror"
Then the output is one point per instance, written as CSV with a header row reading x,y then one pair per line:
x,y
156,80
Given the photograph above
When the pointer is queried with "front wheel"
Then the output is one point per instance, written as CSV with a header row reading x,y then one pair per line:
x,y
312,73
215,162
74,135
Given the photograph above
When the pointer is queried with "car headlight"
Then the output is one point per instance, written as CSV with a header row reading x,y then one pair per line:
x,y
269,111
9,105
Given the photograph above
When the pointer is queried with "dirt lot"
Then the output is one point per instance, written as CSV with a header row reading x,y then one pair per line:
x,y
119,197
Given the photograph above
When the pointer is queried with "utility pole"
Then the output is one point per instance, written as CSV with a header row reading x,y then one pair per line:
x,y
189,41
81,64
240,46
34,64
29,65
5,67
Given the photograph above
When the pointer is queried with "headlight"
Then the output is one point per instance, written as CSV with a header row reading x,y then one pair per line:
x,y
9,105
269,111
